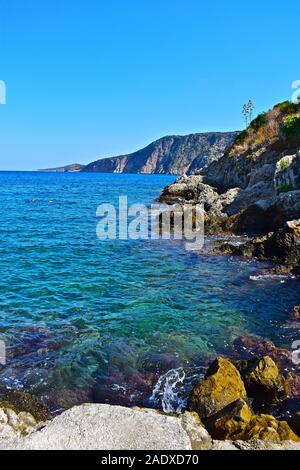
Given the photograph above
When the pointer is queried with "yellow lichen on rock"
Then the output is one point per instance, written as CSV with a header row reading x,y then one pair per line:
x,y
222,386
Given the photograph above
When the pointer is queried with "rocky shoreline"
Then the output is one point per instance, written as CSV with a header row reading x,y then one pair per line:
x,y
254,190
221,415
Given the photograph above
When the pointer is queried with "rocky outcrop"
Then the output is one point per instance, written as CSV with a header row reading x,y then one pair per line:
x,y
231,421
221,387
263,381
268,428
222,403
255,187
281,246
169,155
106,427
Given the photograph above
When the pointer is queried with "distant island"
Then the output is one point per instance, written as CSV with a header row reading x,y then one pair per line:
x,y
73,168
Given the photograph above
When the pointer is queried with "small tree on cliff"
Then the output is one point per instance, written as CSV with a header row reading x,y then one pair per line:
x,y
248,109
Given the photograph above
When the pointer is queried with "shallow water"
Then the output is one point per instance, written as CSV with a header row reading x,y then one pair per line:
x,y
84,319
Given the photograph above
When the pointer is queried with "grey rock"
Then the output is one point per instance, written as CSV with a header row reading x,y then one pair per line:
x,y
14,424
105,427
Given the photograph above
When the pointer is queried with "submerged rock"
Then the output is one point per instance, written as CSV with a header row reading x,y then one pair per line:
x,y
222,385
251,347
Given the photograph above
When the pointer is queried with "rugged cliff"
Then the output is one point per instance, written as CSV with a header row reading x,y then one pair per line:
x,y
255,186
169,155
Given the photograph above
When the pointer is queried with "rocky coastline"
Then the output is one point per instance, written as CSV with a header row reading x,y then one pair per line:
x,y
228,409
249,400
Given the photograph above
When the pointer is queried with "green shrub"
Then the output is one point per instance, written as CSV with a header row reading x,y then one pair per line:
x,y
283,164
284,188
240,138
291,126
259,121
287,107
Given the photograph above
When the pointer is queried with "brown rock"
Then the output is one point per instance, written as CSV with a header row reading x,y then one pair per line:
x,y
266,427
229,422
264,382
222,385
21,401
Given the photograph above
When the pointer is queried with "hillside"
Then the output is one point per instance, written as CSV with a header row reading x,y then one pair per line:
x,y
169,155
255,186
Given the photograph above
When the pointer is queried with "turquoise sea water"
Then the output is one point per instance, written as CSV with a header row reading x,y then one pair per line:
x,y
85,319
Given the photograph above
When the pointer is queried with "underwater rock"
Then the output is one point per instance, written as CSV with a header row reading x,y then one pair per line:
x,y
251,347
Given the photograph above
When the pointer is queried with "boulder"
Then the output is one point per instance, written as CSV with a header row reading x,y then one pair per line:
x,y
13,425
268,428
222,385
264,382
229,422
106,427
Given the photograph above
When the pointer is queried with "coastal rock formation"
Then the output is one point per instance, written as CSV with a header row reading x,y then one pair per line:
x,y
14,424
281,246
169,155
254,187
222,386
230,422
268,428
106,427
263,381
222,404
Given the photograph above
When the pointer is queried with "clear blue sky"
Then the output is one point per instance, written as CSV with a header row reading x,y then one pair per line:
x,y
93,78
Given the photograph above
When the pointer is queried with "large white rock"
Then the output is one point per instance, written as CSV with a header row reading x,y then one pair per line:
x,y
105,427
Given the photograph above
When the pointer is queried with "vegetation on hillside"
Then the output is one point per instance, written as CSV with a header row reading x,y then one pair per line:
x,y
278,128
